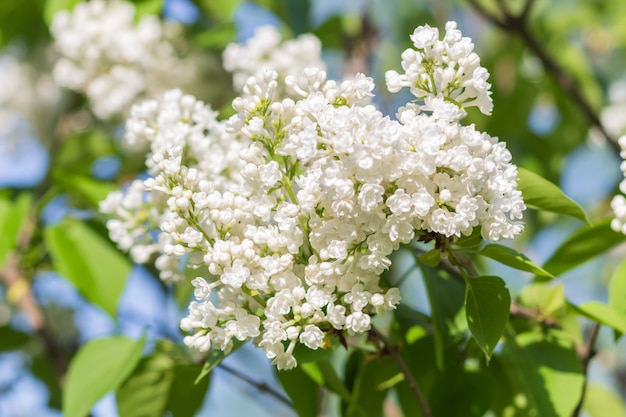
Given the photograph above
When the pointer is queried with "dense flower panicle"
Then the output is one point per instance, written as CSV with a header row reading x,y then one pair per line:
x,y
445,68
618,204
266,50
183,141
113,60
296,229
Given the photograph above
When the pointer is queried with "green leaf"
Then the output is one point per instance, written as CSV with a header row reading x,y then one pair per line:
x,y
89,262
603,314
617,289
219,10
514,259
323,372
364,376
600,402
162,382
302,390
548,300
543,195
52,7
147,7
431,258
91,190
11,339
98,368
12,217
538,374
487,306
584,244
186,397
446,297
217,37
145,392
470,241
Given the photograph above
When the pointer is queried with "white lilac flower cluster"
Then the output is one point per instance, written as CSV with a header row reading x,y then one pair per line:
x,y
446,69
292,225
111,58
266,49
179,125
618,204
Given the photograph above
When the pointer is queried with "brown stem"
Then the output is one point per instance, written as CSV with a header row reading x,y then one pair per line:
x,y
587,354
517,25
19,293
403,368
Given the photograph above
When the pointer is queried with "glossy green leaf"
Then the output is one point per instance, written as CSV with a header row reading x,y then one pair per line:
x,y
98,368
52,7
600,402
543,195
584,244
603,314
487,306
446,296
12,217
302,390
89,261
514,259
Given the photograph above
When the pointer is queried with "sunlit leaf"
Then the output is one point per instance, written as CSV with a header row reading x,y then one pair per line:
x,y
89,261
603,314
92,191
52,7
541,194
584,244
617,289
220,10
147,7
514,259
538,374
98,368
487,306
12,217
600,402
